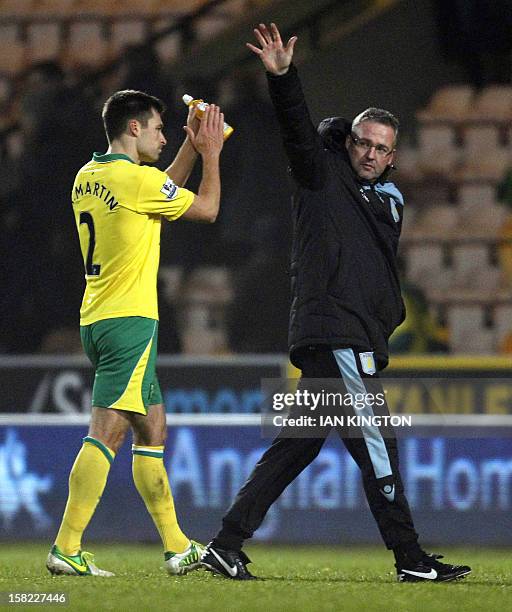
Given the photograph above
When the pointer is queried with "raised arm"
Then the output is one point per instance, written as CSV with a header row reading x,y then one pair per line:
x,y
185,159
208,142
301,140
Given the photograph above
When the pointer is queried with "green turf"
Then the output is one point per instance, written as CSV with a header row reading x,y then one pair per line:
x,y
308,579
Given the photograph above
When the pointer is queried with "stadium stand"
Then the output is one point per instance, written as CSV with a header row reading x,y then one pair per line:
x,y
457,247
92,33
457,233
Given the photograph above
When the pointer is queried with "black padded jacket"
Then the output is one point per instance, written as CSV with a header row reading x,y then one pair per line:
x,y
345,287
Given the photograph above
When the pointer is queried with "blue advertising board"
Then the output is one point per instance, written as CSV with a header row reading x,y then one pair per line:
x,y
460,489
55,384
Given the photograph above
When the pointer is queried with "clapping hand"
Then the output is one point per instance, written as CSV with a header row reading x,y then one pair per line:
x,y
209,138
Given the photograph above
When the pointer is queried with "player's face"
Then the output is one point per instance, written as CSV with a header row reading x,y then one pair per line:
x,y
371,149
151,139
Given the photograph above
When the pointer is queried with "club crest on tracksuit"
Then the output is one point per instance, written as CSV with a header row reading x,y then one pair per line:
x,y
367,363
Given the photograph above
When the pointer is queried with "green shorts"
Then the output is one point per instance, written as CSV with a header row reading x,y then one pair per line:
x,y
123,353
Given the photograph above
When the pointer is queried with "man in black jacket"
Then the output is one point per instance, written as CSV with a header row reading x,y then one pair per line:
x,y
346,302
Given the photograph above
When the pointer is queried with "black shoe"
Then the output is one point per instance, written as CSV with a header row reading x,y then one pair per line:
x,y
429,568
227,563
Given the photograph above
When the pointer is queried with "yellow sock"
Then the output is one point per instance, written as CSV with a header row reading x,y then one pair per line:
x,y
152,483
87,480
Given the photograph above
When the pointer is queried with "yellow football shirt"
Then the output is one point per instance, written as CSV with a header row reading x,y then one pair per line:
x,y
118,207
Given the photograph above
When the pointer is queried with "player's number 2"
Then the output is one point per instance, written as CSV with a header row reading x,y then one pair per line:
x,y
91,269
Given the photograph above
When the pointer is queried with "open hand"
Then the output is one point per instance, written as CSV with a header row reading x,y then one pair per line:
x,y
275,57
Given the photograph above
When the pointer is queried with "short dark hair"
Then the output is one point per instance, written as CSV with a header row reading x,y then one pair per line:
x,y
125,105
379,115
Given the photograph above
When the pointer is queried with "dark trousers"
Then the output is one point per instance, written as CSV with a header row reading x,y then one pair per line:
x,y
375,452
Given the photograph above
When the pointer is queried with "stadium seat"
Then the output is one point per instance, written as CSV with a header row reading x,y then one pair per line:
x,y
425,266
470,263
432,137
437,151
5,90
114,8
409,221
203,332
408,164
505,252
488,279
450,103
487,166
12,50
437,220
171,278
481,219
468,331
44,41
87,45
493,103
205,295
15,8
480,139
60,9
180,7
126,33
209,284
168,47
503,321
237,7
218,19
479,194
15,144
208,26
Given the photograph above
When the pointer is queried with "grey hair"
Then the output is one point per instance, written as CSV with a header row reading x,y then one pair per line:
x,y
379,115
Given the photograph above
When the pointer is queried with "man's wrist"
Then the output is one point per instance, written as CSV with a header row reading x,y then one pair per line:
x,y
187,142
289,70
280,72
212,156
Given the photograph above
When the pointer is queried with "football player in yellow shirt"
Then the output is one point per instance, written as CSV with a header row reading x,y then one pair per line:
x,y
119,205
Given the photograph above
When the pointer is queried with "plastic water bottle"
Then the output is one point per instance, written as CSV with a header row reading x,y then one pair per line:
x,y
201,106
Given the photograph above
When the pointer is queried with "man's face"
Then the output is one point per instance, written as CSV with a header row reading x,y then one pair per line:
x,y
150,139
371,149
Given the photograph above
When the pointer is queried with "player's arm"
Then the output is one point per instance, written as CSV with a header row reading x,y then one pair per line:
x,y
301,140
208,142
174,202
180,169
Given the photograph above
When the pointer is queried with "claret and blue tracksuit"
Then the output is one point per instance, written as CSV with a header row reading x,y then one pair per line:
x,y
346,303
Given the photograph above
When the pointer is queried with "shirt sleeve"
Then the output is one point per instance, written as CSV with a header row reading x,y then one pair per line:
x,y
158,194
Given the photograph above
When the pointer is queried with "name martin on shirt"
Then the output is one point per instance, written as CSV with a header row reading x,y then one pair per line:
x,y
98,190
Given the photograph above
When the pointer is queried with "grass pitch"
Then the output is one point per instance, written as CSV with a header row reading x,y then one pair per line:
x,y
305,579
